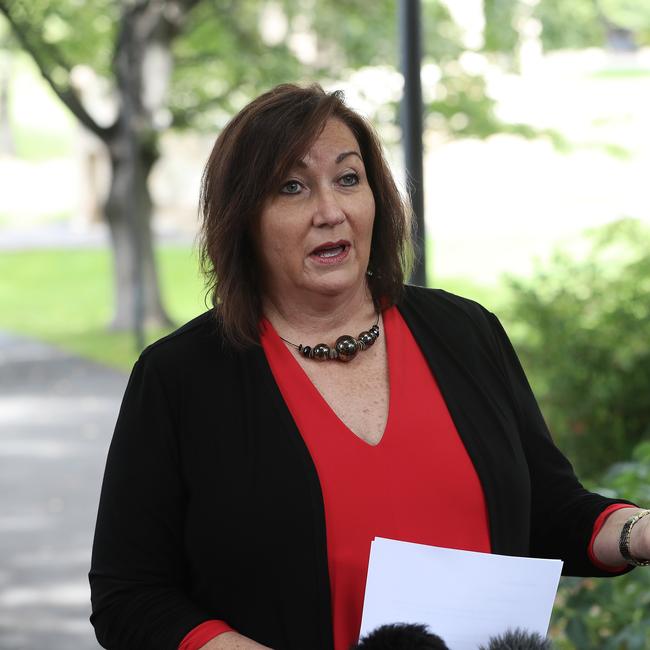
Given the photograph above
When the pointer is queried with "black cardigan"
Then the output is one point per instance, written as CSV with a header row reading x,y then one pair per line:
x,y
211,505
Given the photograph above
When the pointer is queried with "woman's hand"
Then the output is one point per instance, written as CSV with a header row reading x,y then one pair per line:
x,y
606,547
232,641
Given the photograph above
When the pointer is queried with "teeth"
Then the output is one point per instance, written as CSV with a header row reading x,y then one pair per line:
x,y
330,252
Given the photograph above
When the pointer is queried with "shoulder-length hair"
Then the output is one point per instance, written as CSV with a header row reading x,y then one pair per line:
x,y
248,164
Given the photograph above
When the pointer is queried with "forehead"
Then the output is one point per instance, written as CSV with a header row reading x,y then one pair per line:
x,y
335,139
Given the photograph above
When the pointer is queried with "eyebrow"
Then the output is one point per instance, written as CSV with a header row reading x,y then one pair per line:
x,y
345,154
340,158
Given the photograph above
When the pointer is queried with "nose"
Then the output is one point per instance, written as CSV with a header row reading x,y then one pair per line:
x,y
328,210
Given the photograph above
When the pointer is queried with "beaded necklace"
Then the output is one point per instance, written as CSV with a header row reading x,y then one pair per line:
x,y
345,348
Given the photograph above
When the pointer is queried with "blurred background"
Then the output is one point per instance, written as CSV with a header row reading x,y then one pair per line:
x,y
537,167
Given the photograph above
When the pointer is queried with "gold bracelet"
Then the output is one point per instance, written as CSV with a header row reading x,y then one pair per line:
x,y
624,540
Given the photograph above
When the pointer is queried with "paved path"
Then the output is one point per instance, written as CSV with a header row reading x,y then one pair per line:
x,y
56,417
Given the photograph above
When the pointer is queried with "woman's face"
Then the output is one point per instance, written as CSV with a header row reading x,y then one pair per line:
x,y
314,233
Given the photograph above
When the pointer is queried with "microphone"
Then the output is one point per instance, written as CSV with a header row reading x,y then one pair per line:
x,y
412,636
401,636
518,640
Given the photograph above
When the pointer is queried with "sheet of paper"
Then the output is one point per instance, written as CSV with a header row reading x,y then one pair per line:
x,y
464,597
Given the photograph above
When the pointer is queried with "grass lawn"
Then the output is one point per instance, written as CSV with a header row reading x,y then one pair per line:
x,y
64,297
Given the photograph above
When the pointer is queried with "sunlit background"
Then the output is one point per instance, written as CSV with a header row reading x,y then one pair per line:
x,y
537,132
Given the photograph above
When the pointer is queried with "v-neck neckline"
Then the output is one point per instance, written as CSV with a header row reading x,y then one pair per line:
x,y
387,326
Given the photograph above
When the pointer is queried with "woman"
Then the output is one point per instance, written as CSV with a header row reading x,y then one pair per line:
x,y
254,460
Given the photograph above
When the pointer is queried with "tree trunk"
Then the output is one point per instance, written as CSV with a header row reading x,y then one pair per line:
x,y
142,64
128,212
142,61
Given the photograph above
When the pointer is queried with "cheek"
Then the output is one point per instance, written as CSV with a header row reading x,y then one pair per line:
x,y
278,243
369,218
267,234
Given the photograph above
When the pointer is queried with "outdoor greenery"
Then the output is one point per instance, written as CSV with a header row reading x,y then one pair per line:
x,y
567,321
581,324
590,23
40,144
64,297
602,613
207,59
73,288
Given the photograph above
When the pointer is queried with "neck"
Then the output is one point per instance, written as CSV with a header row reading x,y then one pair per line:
x,y
322,317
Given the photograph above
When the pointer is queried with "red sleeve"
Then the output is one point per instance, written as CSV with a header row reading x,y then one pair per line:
x,y
598,524
201,634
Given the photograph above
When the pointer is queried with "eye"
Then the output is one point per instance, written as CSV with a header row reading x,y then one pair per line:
x,y
349,180
291,187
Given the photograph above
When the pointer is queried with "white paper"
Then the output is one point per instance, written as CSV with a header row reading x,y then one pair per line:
x,y
463,596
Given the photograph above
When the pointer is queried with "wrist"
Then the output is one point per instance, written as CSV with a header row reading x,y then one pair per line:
x,y
640,539
634,543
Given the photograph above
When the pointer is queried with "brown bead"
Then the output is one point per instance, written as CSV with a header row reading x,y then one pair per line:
x,y
346,347
321,352
366,338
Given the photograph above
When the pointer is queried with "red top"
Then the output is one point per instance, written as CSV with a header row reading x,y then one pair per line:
x,y
419,466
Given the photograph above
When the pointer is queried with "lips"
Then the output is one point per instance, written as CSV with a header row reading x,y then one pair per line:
x,y
331,252
329,249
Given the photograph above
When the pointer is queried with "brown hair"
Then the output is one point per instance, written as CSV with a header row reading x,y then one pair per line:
x,y
248,163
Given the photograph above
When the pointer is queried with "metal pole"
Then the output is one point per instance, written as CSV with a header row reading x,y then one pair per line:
x,y
136,232
129,114
411,117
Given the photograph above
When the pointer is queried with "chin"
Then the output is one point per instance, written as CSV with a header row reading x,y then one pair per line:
x,y
337,284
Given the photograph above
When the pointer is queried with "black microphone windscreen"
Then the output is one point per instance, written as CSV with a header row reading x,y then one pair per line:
x,y
518,640
401,636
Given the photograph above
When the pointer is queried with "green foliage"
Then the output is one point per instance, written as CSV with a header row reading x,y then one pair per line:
x,y
221,62
581,325
465,110
365,32
348,36
40,144
583,23
570,24
610,613
70,32
628,14
441,37
500,33
630,479
462,106
621,73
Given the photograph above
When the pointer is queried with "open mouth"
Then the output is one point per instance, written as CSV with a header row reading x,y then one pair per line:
x,y
331,251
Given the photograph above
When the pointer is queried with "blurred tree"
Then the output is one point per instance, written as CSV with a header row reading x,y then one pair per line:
x,y
137,45
627,22
461,104
7,47
581,324
193,63
618,24
500,32
129,41
570,24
